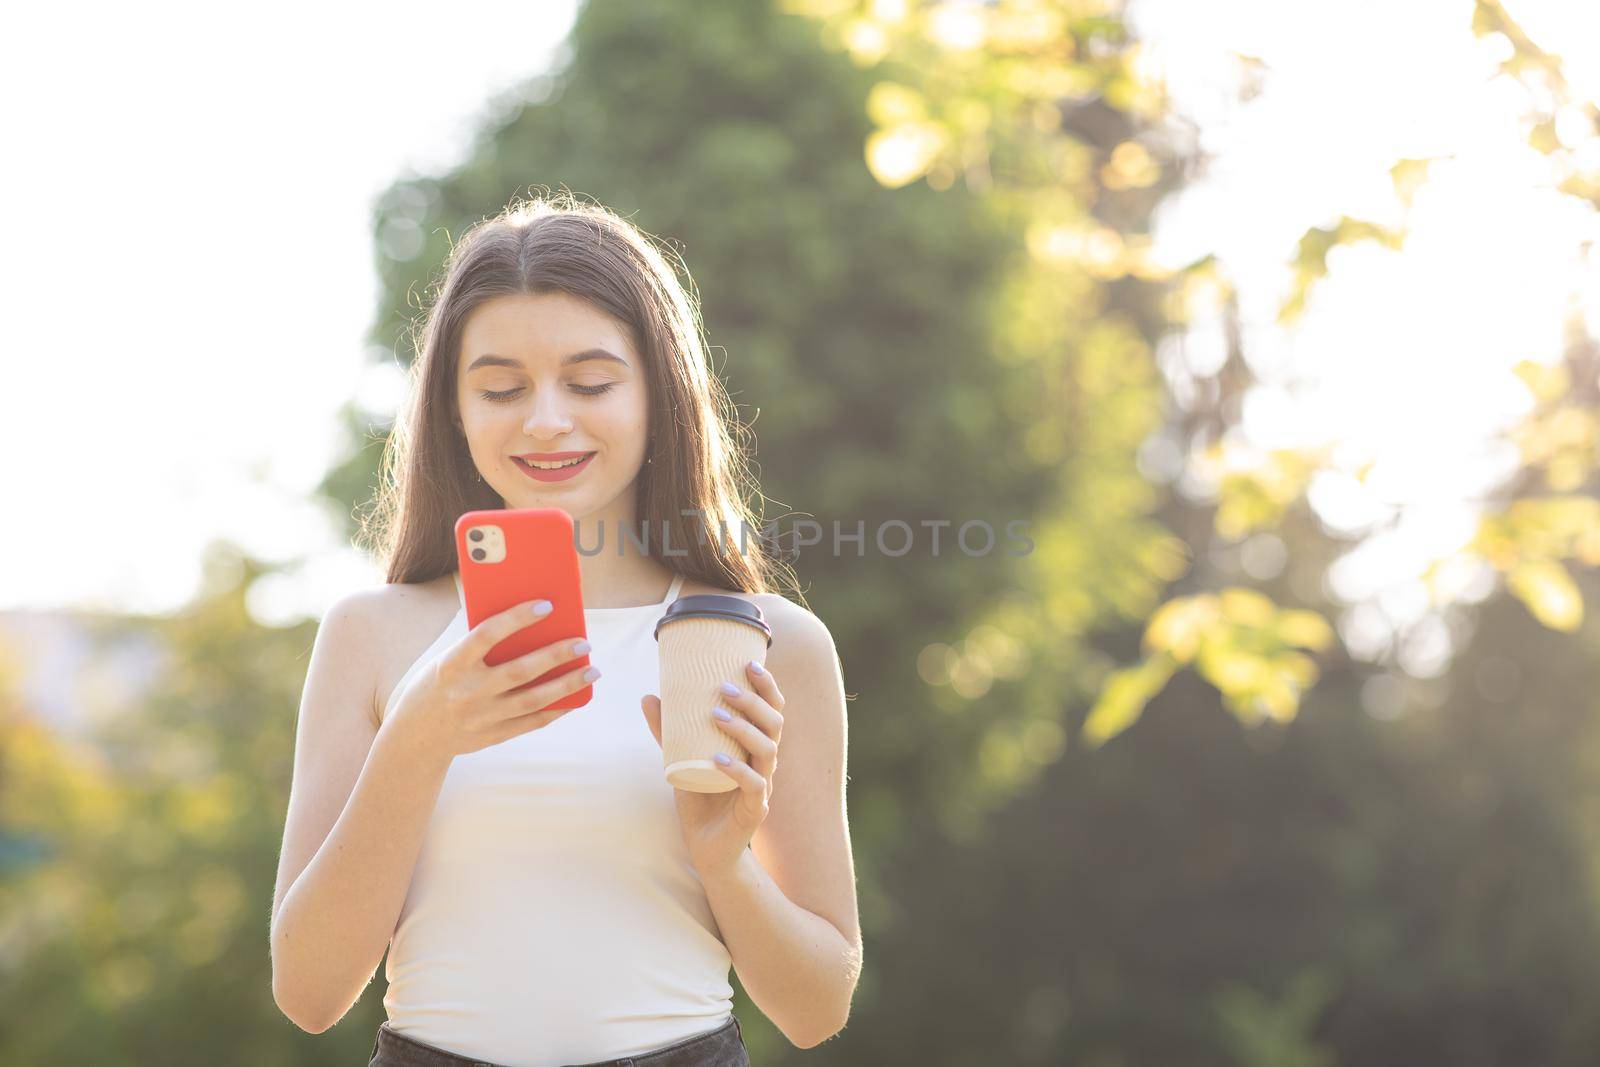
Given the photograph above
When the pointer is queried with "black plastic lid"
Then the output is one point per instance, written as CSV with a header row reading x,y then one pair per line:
x,y
714,605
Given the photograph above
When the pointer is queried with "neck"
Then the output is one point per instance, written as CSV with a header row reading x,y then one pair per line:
x,y
620,575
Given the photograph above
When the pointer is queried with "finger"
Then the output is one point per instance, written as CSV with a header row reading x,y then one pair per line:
x,y
762,682
496,628
652,715
530,665
751,783
763,749
521,724
547,693
753,707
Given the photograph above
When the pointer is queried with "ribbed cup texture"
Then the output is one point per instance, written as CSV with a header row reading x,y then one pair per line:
x,y
697,655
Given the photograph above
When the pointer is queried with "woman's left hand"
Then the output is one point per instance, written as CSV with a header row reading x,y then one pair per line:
x,y
717,827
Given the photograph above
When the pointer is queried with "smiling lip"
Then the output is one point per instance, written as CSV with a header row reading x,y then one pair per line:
x,y
560,475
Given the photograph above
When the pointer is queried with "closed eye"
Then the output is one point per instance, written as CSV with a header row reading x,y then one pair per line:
x,y
506,394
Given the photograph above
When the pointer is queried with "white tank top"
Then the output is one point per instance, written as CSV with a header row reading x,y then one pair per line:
x,y
554,916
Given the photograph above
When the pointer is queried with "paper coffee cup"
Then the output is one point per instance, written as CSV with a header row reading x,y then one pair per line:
x,y
703,641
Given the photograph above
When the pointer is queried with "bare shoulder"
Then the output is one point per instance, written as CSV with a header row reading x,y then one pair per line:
x,y
792,623
405,618
798,635
404,596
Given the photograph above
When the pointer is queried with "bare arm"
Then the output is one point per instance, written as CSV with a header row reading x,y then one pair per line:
x,y
787,907
363,793
358,809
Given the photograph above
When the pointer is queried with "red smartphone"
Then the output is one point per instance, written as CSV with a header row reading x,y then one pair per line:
x,y
513,555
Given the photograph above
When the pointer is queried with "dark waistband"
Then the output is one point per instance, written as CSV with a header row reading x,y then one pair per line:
x,y
722,1047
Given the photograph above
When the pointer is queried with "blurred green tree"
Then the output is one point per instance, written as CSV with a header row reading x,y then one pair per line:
x,y
138,935
992,87
1548,517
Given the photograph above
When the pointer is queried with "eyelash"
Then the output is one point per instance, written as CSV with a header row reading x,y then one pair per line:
x,y
506,394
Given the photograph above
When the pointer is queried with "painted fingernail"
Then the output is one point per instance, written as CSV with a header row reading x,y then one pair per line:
x,y
580,647
731,689
541,607
719,713
722,759
591,674
758,668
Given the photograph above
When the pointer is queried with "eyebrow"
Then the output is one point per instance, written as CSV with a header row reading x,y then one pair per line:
x,y
492,360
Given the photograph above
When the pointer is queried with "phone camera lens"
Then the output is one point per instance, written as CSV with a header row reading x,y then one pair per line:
x,y
474,535
478,554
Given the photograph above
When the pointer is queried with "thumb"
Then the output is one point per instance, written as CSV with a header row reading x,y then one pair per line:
x,y
651,705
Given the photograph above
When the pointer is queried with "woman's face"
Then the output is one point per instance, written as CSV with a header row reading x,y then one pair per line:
x,y
546,375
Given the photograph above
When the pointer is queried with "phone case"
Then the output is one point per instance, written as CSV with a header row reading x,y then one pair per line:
x,y
509,556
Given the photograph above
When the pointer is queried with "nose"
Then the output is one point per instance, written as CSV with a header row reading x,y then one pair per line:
x,y
549,417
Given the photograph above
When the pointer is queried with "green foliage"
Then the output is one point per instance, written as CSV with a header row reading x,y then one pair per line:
x,y
1123,699
1409,175
1527,539
1411,891
1256,494
1237,639
1310,262
141,934
1262,1032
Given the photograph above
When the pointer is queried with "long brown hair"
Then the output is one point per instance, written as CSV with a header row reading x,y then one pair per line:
x,y
696,451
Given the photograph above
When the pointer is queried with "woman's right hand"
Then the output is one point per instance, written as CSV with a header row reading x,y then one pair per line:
x,y
459,704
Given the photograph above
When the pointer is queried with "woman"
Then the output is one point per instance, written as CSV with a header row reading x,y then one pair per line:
x,y
545,897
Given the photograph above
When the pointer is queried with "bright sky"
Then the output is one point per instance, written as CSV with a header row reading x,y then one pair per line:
x,y
191,273
193,265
